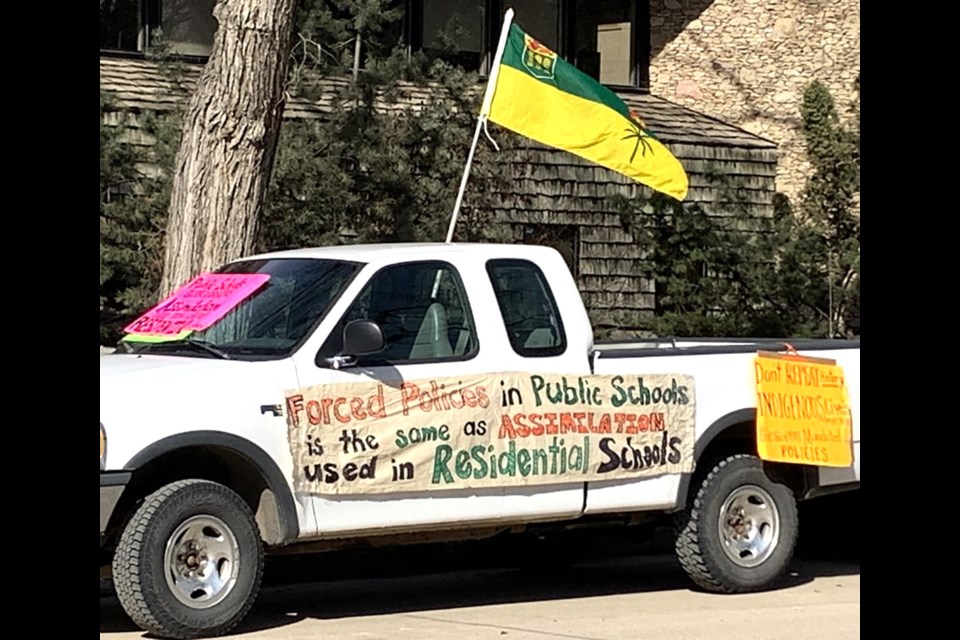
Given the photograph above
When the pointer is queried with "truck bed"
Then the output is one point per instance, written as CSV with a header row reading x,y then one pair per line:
x,y
656,347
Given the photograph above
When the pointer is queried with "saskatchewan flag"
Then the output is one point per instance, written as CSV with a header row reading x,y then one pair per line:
x,y
536,94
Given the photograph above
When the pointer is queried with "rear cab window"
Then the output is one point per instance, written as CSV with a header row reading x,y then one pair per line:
x,y
528,308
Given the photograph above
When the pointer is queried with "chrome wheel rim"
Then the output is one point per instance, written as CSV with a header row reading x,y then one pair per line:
x,y
749,526
201,559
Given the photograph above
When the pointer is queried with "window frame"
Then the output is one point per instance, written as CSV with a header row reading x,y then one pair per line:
x,y
150,19
412,28
566,37
489,31
372,360
238,266
639,44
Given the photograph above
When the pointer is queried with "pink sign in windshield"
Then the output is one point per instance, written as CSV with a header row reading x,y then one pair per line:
x,y
197,304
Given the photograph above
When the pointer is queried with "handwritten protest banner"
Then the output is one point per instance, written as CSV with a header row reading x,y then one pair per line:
x,y
197,304
803,411
489,430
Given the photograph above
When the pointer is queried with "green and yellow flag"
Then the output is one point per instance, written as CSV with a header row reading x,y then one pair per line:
x,y
542,97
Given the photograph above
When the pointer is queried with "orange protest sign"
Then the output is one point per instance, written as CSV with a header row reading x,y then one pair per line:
x,y
803,411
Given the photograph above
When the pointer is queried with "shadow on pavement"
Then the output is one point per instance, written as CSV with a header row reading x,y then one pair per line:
x,y
479,573
830,528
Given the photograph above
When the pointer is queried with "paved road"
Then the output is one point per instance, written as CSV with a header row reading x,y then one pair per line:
x,y
463,592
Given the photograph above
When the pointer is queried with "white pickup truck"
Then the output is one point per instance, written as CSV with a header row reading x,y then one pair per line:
x,y
398,393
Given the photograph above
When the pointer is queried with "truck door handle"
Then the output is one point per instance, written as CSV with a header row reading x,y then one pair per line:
x,y
275,409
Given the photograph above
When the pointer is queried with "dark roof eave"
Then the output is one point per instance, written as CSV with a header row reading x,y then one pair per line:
x,y
141,84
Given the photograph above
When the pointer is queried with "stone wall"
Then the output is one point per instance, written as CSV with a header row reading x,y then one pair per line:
x,y
748,61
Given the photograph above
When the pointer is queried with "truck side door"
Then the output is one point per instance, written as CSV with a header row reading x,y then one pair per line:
x,y
540,339
429,331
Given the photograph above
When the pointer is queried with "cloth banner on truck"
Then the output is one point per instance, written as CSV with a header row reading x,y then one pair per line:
x,y
490,430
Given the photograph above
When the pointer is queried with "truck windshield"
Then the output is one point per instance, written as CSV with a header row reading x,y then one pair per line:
x,y
274,320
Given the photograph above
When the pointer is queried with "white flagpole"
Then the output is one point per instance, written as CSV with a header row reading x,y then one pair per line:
x,y
484,112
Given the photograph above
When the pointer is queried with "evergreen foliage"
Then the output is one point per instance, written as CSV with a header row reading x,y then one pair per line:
x,y
828,250
796,274
377,169
134,194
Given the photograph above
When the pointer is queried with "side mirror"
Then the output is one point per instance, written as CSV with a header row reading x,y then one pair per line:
x,y
360,337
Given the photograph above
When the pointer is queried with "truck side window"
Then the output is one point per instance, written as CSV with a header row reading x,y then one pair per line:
x,y
423,312
529,311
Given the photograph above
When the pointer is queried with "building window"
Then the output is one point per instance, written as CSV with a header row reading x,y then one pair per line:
x,y
188,26
609,39
565,238
453,30
539,18
120,25
185,27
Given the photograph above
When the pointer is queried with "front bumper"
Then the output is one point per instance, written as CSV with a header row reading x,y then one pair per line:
x,y
112,484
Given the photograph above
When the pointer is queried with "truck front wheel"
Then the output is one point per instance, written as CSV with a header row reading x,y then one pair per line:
x,y
739,531
189,561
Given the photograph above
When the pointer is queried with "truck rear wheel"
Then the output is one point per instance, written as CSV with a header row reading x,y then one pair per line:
x,y
189,561
739,531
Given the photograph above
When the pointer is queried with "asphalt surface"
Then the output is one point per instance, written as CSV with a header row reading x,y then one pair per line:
x,y
617,588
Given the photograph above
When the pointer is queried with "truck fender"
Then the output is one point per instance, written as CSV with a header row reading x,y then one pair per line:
x,y
253,454
721,424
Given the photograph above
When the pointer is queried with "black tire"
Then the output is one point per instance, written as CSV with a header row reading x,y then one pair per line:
x,y
210,512
700,543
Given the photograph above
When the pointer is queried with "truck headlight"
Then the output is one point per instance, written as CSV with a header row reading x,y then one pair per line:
x,y
103,448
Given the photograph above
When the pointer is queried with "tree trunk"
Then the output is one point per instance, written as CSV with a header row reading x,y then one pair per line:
x,y
229,138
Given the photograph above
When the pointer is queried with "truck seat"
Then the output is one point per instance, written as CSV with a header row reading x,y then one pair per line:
x,y
432,340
